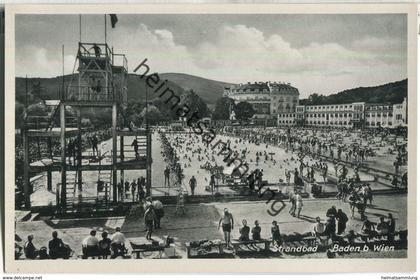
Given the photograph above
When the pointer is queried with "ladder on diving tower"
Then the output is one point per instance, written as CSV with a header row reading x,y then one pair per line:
x,y
71,186
104,184
142,148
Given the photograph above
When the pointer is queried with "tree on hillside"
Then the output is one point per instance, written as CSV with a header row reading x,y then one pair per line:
x,y
37,109
195,103
133,113
388,93
222,108
99,117
37,89
244,110
154,116
19,109
165,109
316,99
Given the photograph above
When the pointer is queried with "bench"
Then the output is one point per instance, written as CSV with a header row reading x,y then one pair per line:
x,y
148,248
238,243
309,240
295,241
218,246
141,245
375,235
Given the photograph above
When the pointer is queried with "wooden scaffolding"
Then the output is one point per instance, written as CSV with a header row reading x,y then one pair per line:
x,y
102,82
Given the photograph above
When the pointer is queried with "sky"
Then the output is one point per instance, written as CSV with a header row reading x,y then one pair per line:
x,y
315,53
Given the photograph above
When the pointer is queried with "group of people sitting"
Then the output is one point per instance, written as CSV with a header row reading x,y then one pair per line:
x,y
57,249
336,223
114,246
91,247
379,230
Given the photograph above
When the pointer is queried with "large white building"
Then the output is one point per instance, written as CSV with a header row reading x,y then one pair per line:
x,y
277,100
267,98
351,115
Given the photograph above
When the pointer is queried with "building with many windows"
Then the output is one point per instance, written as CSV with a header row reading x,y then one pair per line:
x,y
352,115
399,114
267,98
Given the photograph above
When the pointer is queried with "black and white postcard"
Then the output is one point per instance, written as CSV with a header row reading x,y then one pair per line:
x,y
210,138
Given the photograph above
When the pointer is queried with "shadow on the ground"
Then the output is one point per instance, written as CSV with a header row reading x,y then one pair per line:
x,y
73,223
214,256
257,253
198,220
382,209
307,218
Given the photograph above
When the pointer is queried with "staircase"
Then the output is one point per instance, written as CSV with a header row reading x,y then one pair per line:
x,y
71,186
54,112
103,191
142,141
44,121
142,148
49,121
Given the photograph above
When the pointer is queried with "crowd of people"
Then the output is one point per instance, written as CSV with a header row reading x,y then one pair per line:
x,y
173,168
333,229
137,190
336,224
319,145
315,154
318,155
112,246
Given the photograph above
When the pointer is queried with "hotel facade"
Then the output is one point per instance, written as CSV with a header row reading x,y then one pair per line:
x,y
351,115
279,102
269,99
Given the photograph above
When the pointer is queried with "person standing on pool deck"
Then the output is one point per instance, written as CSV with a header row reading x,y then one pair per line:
x,y
227,225
149,220
166,172
94,142
193,184
299,203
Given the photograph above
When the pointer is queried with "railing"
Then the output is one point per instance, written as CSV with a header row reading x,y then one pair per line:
x,y
89,94
119,60
88,50
36,122
45,122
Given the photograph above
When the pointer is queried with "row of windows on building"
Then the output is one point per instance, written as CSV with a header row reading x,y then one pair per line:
x,y
327,123
357,107
253,90
379,115
287,121
261,98
241,91
285,108
279,99
345,115
378,107
331,122
286,115
285,99
328,107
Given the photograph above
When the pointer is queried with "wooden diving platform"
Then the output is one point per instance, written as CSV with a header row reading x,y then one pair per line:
x,y
89,103
50,165
134,132
119,69
54,132
52,102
